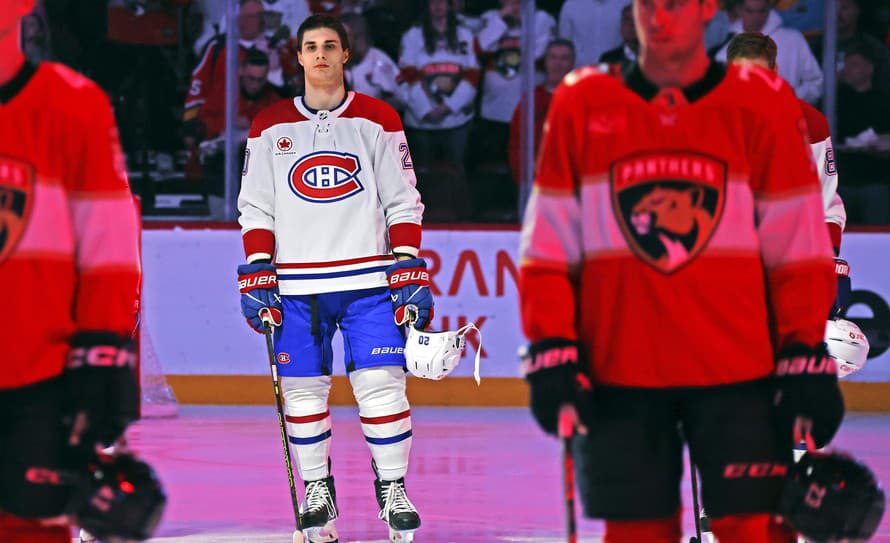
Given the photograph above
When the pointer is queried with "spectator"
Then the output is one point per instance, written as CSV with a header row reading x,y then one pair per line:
x,y
210,74
369,71
499,45
256,93
626,53
797,65
592,25
717,33
850,34
473,23
559,59
35,38
863,113
439,76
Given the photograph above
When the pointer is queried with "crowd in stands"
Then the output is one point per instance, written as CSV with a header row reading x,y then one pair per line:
x,y
450,67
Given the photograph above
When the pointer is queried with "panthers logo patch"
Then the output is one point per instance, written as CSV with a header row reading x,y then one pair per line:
x,y
17,182
668,205
326,176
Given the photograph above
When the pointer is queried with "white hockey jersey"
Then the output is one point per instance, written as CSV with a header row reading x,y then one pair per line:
x,y
446,76
500,44
331,194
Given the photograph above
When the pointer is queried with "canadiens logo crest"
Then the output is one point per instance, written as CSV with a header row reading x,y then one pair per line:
x,y
326,176
668,205
16,198
283,358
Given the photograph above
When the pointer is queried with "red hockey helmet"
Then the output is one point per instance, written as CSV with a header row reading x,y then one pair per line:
x,y
831,497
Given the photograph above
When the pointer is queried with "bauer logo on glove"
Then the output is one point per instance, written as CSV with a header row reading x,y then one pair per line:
x,y
409,286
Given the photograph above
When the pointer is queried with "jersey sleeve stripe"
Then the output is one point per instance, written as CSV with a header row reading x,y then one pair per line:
x,y
791,230
405,237
551,231
101,245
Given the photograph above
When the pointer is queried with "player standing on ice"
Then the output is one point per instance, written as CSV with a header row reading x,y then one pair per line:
x,y
70,270
676,274
328,191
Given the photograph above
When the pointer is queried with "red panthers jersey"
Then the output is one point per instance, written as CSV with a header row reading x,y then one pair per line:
x,y
69,232
677,234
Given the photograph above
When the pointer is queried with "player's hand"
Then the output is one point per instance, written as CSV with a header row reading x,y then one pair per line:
x,y
556,382
101,394
808,399
258,284
842,299
409,289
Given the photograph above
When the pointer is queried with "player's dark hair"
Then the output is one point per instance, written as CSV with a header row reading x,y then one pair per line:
x,y
255,57
430,34
322,20
752,45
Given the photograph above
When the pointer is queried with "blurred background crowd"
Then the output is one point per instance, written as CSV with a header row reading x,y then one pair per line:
x,y
450,67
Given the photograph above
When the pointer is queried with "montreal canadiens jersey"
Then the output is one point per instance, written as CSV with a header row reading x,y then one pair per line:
x,y
679,235
69,232
330,194
823,154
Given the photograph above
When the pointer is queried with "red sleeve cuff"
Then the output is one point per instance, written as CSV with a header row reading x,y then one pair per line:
x,y
403,235
834,231
258,242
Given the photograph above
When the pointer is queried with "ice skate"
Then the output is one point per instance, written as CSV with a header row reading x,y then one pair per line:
x,y
319,510
396,509
86,537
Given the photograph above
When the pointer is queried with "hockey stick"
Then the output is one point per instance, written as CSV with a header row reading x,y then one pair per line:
x,y
695,508
566,429
270,350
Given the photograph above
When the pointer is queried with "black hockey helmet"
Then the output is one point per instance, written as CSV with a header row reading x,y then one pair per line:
x,y
831,497
121,499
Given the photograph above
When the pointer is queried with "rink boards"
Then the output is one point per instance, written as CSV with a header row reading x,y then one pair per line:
x,y
196,331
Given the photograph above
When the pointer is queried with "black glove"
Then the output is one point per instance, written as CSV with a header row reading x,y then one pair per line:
x,y
806,388
555,378
100,383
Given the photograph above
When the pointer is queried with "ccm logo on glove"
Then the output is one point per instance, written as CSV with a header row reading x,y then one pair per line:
x,y
106,356
262,279
800,365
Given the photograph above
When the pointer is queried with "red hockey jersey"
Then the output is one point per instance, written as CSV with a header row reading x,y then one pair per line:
x,y
678,235
69,233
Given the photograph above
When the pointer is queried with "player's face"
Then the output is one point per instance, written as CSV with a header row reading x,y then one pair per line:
x,y
672,28
11,13
754,14
322,57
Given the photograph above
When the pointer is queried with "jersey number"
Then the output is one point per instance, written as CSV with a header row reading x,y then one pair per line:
x,y
406,156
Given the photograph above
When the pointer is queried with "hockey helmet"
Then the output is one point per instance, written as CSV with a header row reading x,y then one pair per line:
x,y
121,499
830,497
433,355
847,345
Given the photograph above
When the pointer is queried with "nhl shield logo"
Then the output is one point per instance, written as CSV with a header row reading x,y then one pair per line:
x,y
16,199
326,176
668,205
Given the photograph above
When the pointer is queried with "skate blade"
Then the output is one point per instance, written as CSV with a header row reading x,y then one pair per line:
x,y
321,534
405,536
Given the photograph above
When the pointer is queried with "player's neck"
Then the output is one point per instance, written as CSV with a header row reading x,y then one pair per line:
x,y
11,57
680,72
327,97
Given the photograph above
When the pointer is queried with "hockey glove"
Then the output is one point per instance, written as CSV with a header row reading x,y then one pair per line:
x,y
808,399
409,288
258,284
555,378
100,385
842,300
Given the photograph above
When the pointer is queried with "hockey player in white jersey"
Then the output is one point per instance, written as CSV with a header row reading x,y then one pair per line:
x,y
331,224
